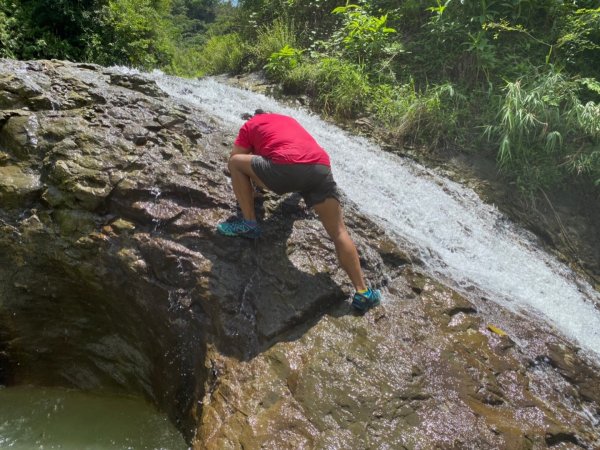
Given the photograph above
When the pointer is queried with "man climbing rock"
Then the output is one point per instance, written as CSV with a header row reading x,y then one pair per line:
x,y
275,152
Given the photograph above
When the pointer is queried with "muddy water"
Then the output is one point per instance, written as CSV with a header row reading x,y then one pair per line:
x,y
53,418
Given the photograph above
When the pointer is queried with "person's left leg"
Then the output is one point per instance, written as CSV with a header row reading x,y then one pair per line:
x,y
242,176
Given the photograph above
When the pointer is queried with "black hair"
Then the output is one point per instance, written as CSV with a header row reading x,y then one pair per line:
x,y
248,116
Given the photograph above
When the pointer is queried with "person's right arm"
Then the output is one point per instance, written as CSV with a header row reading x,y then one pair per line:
x,y
237,150
242,144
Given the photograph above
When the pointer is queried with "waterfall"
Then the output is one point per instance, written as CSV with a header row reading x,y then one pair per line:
x,y
458,236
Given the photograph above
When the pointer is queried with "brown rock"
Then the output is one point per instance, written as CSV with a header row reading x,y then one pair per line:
x,y
244,344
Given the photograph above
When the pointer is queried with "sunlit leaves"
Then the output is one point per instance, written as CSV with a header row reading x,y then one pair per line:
x,y
544,131
363,36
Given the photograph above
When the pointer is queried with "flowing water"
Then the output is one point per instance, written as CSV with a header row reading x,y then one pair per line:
x,y
52,418
457,235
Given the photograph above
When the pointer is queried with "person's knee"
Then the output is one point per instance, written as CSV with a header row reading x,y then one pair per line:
x,y
235,163
340,236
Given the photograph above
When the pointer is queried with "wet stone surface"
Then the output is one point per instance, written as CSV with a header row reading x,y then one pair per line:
x,y
112,277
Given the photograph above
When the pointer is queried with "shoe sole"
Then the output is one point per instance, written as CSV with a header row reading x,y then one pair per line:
x,y
367,305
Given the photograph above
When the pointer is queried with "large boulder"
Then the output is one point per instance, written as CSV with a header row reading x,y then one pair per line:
x,y
112,277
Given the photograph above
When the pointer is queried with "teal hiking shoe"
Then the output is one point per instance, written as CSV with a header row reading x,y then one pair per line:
x,y
239,227
369,299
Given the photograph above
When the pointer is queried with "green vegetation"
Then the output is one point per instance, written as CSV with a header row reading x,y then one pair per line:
x,y
140,33
545,133
516,78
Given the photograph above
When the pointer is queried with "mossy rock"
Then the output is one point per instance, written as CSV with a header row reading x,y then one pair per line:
x,y
17,187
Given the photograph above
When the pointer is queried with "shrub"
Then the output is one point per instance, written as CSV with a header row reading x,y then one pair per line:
x,y
186,62
271,39
283,61
134,33
310,18
9,36
363,37
579,42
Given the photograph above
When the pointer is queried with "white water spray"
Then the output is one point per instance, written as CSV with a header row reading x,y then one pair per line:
x,y
458,235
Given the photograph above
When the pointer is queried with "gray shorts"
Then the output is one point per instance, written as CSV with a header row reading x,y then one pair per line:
x,y
313,181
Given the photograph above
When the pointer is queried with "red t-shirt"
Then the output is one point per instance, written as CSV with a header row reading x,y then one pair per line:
x,y
281,139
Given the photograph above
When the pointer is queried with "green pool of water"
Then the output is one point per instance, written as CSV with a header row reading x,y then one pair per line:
x,y
53,418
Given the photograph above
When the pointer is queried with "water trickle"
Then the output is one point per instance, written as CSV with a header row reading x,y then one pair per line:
x,y
459,237
32,128
156,193
180,269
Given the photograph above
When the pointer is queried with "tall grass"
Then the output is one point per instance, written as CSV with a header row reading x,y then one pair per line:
x,y
428,118
301,79
186,62
545,133
342,88
271,39
223,54
585,160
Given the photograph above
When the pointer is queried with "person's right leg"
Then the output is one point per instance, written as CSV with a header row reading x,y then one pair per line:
x,y
331,216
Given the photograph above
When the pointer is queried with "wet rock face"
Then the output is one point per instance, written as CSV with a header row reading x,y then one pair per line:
x,y
426,371
112,277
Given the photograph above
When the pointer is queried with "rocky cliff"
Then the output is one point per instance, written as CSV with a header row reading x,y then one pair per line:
x,y
112,277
